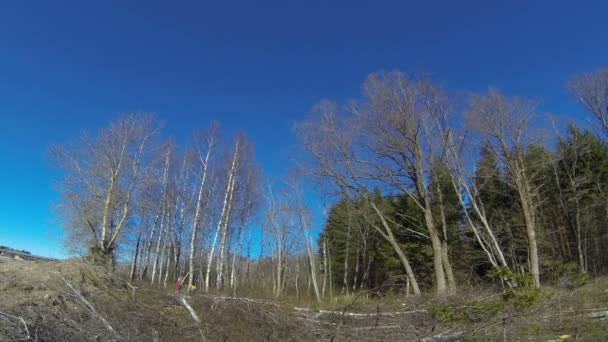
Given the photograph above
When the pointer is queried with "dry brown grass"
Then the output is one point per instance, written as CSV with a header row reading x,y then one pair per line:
x,y
75,301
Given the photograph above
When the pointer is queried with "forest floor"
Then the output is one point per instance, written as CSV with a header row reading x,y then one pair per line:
x,y
75,301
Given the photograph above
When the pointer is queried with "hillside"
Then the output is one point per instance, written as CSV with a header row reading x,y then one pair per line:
x,y
75,301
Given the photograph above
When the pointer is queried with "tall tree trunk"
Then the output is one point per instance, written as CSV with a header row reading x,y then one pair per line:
x,y
529,219
440,283
148,249
448,267
297,279
424,199
325,269
162,260
199,207
388,236
331,294
579,242
444,243
313,274
345,279
222,247
162,214
195,224
167,266
279,267
355,276
237,250
211,252
309,249
135,254
155,262
492,249
222,225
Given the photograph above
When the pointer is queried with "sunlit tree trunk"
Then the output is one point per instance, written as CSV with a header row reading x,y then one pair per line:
x,y
230,193
222,225
204,151
162,213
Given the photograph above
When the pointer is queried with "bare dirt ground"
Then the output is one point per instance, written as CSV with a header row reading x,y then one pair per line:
x,y
75,301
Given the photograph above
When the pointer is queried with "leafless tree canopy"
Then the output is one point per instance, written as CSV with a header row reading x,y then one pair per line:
x,y
103,174
591,91
407,170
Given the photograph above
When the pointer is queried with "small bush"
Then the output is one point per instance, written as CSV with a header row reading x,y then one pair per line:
x,y
444,312
478,311
505,274
565,275
521,298
532,329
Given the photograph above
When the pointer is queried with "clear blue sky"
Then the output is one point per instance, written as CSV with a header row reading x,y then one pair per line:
x,y
70,66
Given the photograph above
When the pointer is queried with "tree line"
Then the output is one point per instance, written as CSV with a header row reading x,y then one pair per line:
x,y
455,191
15,250
134,200
427,194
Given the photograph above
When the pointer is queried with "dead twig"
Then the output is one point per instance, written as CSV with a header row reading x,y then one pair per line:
x,y
27,332
133,288
89,306
202,335
377,327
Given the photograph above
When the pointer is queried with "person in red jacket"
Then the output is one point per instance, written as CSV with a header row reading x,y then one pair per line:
x,y
180,282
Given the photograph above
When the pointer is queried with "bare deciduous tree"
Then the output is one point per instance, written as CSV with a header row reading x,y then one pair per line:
x,y
304,224
204,148
239,163
280,235
401,118
591,91
169,150
102,175
505,124
332,139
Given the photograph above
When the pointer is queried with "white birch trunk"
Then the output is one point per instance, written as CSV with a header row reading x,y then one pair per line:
x,y
311,255
162,218
220,224
199,208
230,192
162,260
326,270
345,280
160,236
148,250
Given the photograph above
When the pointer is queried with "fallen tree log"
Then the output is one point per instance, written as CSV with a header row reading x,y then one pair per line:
x,y
324,313
190,309
447,336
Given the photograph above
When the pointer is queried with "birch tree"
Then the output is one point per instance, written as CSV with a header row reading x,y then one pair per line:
x,y
235,163
304,224
278,237
247,203
183,198
224,221
205,146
